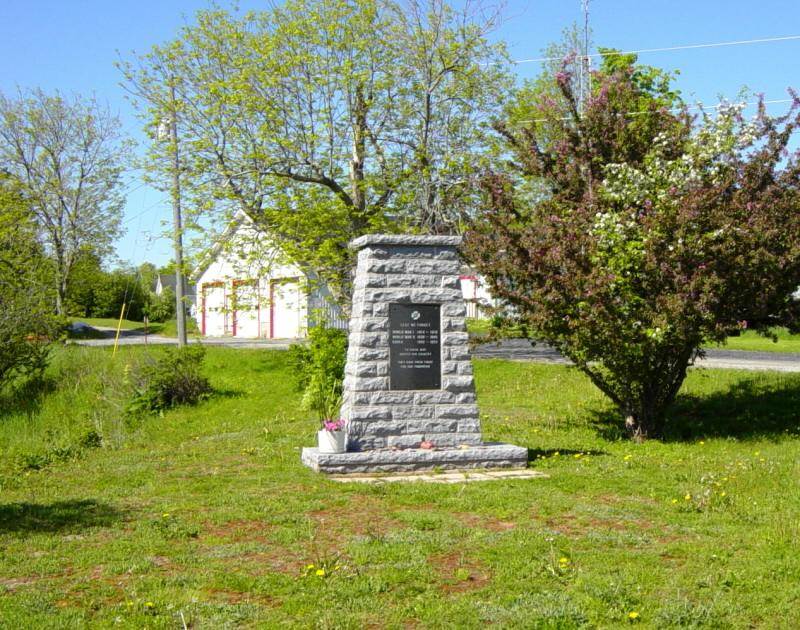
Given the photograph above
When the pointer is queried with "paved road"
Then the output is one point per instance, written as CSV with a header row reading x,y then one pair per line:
x,y
514,349
521,350
137,338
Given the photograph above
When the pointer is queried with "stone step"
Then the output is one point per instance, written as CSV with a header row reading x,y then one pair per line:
x,y
487,455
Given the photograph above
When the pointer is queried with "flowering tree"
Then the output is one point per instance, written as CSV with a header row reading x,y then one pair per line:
x,y
648,233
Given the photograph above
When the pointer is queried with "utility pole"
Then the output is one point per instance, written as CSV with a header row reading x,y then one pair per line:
x,y
586,88
584,82
177,223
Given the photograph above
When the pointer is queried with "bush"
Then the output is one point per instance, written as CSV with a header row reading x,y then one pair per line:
x,y
319,370
173,379
160,308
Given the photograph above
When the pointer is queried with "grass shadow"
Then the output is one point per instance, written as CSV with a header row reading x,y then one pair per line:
x,y
227,393
26,397
751,407
56,517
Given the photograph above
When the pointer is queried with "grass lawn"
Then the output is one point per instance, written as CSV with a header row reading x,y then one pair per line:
x,y
751,341
205,516
166,329
748,340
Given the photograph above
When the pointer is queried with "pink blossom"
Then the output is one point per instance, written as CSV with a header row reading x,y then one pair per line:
x,y
333,425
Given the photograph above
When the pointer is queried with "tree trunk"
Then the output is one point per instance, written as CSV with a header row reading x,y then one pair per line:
x,y
645,423
61,294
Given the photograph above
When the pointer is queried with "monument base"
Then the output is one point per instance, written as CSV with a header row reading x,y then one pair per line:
x,y
488,455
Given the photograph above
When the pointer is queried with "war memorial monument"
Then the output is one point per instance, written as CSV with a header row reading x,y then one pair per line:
x,y
409,395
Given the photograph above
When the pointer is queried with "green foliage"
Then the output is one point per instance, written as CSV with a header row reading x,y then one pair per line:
x,y
69,156
172,379
652,233
319,370
324,120
118,287
27,326
160,308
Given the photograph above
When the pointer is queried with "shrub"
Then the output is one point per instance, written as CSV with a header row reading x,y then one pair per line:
x,y
319,370
160,308
173,379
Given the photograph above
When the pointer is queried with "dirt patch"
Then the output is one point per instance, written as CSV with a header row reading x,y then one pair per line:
x,y
458,573
361,517
577,527
238,531
273,560
478,521
11,584
223,596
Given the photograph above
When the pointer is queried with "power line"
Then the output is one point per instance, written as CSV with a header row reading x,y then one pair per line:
x,y
740,42
675,110
145,211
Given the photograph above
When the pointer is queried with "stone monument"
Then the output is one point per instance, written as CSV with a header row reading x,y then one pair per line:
x,y
409,395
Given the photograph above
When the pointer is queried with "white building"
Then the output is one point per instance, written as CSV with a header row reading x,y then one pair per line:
x,y
247,288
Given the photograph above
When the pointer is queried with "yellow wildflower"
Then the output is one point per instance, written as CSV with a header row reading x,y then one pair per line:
x,y
674,501
688,497
633,615
309,567
149,604
320,572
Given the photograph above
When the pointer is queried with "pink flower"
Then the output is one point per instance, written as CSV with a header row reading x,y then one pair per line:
x,y
333,425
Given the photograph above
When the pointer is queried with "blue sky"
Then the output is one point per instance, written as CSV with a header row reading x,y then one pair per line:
x,y
71,45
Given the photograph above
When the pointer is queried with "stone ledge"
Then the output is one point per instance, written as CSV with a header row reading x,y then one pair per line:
x,y
405,239
489,455
451,476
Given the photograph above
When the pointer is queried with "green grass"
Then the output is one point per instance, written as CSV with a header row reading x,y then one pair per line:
x,y
205,516
748,340
165,329
752,341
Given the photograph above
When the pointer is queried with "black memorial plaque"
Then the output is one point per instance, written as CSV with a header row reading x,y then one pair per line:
x,y
415,358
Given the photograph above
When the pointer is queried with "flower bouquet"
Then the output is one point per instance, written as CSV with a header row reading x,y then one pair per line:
x,y
331,438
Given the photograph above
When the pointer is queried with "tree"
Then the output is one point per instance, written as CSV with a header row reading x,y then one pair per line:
x,y
654,233
26,323
326,119
68,155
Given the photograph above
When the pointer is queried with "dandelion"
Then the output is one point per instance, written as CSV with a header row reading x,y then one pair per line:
x,y
309,567
627,457
722,494
149,604
165,515
688,497
633,615
321,572
674,501
563,560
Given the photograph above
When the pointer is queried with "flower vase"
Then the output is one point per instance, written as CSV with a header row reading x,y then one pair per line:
x,y
331,441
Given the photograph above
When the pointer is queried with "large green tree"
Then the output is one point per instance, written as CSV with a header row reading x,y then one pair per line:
x,y
652,233
68,155
26,323
326,119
